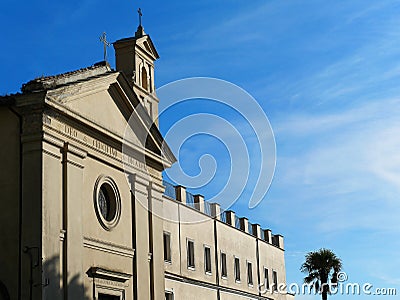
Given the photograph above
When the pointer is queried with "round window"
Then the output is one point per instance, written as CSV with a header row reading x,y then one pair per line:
x,y
107,202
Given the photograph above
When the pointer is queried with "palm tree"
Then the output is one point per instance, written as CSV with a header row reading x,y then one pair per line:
x,y
321,266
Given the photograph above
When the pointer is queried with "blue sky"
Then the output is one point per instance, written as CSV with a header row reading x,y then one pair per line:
x,y
326,74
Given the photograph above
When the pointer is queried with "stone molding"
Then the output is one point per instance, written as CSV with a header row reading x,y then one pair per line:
x,y
108,247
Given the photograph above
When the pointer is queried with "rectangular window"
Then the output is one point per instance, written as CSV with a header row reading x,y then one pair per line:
x,y
224,271
207,259
249,273
167,247
169,296
266,279
190,254
237,269
275,279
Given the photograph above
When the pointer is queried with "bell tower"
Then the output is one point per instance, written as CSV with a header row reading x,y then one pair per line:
x,y
135,57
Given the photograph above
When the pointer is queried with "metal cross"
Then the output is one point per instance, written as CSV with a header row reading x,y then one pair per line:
x,y
140,16
103,39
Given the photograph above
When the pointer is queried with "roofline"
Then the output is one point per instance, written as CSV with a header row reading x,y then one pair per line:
x,y
55,81
134,39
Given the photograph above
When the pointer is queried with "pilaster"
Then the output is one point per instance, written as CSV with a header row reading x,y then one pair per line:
x,y
156,190
72,218
142,269
31,208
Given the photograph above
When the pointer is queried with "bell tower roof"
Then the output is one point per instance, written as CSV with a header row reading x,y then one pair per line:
x,y
140,39
135,57
140,32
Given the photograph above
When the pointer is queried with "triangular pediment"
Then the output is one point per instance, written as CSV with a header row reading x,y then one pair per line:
x,y
146,44
109,103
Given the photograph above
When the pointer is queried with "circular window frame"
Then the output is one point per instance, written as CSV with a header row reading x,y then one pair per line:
x,y
114,196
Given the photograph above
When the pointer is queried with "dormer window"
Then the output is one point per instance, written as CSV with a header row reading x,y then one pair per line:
x,y
144,78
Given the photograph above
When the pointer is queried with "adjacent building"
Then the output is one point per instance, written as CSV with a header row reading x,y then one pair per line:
x,y
214,255
75,222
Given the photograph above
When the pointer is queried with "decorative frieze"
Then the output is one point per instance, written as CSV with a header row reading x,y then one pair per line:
x,y
87,140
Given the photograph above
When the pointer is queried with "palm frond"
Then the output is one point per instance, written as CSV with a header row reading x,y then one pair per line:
x,y
321,267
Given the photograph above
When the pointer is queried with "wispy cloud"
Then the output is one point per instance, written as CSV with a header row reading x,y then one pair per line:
x,y
347,158
390,280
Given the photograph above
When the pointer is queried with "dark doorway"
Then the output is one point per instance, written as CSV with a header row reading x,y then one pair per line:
x,y
108,297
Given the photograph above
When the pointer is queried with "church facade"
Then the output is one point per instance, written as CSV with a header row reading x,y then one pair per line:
x,y
86,214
